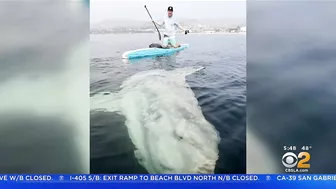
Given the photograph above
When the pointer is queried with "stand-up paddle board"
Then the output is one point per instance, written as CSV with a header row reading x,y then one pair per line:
x,y
152,52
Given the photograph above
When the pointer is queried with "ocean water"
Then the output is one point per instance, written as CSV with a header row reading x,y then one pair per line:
x,y
44,75
150,100
291,83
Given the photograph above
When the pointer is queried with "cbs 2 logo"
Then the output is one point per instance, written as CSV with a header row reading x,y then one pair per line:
x,y
290,160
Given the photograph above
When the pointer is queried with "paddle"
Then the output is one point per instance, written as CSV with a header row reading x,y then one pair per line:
x,y
153,23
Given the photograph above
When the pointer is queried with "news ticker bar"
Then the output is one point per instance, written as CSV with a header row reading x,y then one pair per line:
x,y
165,178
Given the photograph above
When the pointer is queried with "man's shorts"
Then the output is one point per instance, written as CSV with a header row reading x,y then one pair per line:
x,y
169,40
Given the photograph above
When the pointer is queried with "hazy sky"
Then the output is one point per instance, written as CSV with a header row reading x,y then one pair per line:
x,y
101,10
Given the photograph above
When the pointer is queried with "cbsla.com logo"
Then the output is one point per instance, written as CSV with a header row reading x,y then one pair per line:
x,y
296,163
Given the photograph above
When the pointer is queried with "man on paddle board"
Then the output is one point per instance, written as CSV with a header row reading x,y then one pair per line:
x,y
171,26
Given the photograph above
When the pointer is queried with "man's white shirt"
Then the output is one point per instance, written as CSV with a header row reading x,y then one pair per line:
x,y
171,26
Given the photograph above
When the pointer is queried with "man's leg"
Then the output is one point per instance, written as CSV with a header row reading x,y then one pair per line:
x,y
172,41
165,42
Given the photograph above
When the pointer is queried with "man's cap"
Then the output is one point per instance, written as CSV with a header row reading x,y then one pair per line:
x,y
170,8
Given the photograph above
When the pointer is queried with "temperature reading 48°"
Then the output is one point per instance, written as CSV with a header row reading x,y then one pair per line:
x,y
306,148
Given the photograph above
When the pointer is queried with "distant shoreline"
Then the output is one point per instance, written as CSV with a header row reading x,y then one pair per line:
x,y
233,33
193,33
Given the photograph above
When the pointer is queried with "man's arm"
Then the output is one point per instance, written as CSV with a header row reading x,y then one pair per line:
x,y
181,28
159,24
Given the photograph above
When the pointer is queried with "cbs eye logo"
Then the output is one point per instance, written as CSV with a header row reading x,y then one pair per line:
x,y
290,160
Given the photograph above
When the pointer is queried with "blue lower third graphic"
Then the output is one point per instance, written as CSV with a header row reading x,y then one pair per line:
x,y
167,180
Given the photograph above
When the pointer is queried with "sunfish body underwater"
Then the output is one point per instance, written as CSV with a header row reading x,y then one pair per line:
x,y
164,121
